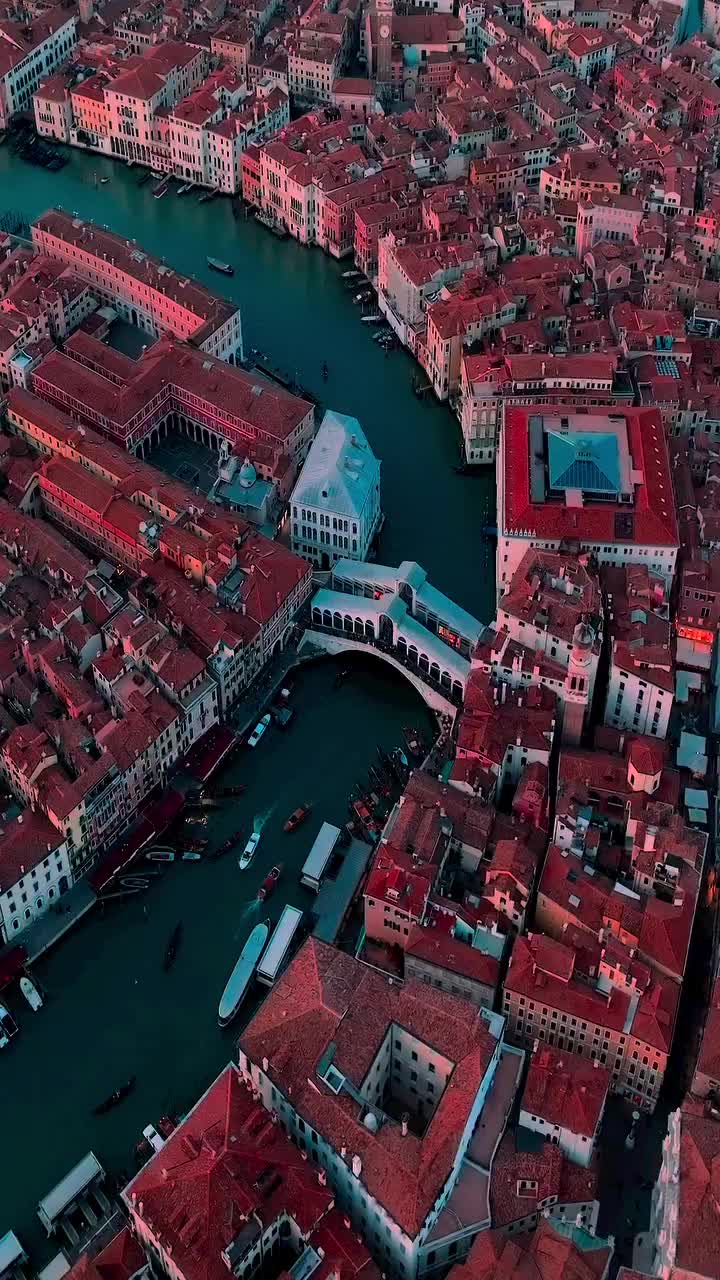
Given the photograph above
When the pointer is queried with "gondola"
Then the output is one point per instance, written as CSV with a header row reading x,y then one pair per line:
x,y
171,949
113,1099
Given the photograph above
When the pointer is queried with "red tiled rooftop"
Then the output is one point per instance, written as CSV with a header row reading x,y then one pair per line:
x,y
326,996
652,510
566,1090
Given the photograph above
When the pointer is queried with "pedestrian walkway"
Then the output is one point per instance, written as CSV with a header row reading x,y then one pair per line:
x,y
44,933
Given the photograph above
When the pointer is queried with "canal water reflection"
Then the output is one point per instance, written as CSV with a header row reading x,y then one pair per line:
x,y
297,312
112,1012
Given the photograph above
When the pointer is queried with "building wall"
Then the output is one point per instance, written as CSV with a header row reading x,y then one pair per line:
x,y
18,85
637,705
456,984
578,1147
624,1056
34,893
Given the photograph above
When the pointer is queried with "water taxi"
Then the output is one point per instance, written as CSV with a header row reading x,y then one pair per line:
x,y
268,885
31,993
259,730
8,1026
249,851
297,817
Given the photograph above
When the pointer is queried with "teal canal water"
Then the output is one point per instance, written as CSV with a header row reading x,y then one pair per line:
x,y
112,1012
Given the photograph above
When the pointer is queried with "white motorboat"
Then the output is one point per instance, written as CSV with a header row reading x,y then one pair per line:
x,y
242,975
249,851
31,993
191,855
259,730
160,855
8,1026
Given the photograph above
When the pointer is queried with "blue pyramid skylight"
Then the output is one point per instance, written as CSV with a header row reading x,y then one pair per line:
x,y
587,462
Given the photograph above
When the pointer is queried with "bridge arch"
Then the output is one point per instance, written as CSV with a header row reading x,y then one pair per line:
x,y
316,644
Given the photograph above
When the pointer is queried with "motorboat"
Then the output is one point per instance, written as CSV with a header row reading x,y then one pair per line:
x,y
118,1095
8,1025
165,854
297,817
268,885
259,730
191,855
375,318
242,975
223,267
351,275
31,993
171,949
249,851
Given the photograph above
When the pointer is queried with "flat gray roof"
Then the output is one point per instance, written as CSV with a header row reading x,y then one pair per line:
x,y
69,1188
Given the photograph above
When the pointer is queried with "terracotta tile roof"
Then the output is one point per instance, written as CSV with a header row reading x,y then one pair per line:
x,y
653,514
698,1210
119,1260
708,1062
228,1165
566,1090
327,998
548,1253
545,1166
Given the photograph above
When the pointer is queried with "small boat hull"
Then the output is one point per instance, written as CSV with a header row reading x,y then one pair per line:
x,y
259,730
269,884
160,855
297,818
31,993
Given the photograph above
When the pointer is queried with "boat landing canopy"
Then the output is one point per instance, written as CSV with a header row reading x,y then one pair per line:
x,y
64,1194
319,856
11,1252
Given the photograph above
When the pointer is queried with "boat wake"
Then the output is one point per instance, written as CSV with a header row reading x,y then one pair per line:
x,y
261,819
247,912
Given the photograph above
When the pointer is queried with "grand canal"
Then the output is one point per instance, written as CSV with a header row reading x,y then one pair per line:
x,y
297,312
111,1011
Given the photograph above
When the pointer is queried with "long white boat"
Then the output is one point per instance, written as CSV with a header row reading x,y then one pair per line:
x,y
242,975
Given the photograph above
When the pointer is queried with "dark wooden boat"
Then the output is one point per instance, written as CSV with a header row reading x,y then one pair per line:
x,y
269,883
172,947
113,1099
297,817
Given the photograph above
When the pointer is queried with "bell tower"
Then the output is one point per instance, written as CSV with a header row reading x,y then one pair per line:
x,y
383,58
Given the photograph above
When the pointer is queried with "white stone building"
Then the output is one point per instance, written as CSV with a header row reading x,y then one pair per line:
x,y
30,52
335,506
